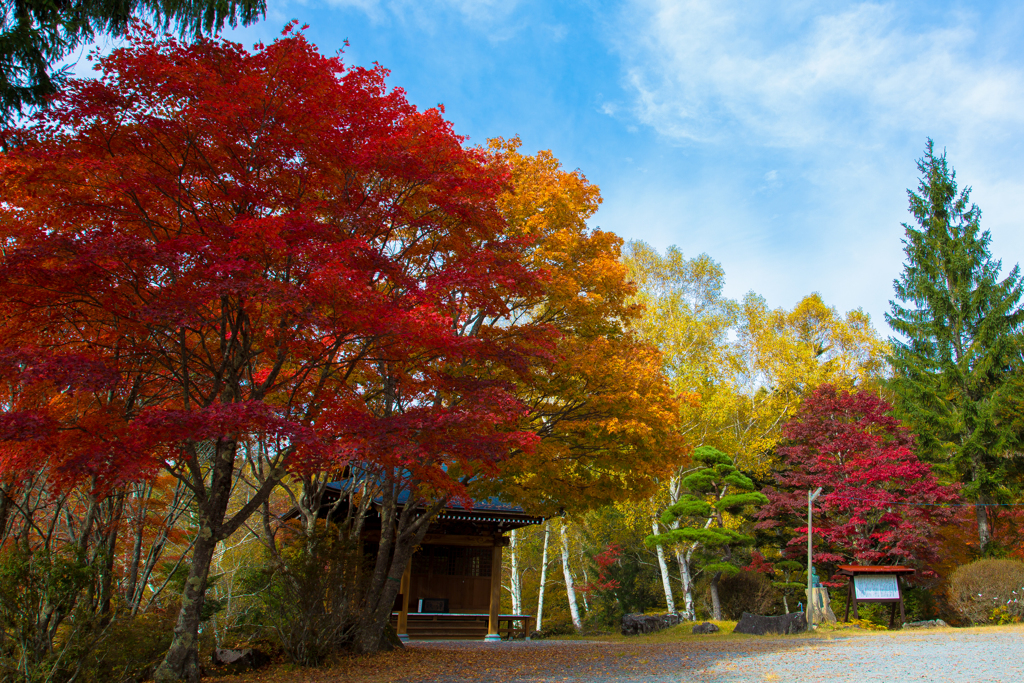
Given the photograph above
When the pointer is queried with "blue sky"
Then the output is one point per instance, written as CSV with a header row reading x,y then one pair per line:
x,y
779,140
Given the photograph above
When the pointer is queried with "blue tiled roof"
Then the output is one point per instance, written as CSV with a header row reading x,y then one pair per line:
x,y
493,504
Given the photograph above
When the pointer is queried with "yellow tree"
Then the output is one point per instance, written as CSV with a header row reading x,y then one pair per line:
x,y
779,356
740,368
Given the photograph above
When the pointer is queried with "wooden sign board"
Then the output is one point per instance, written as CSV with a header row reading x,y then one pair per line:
x,y
881,587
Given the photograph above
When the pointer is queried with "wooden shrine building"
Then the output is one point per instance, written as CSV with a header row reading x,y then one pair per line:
x,y
452,587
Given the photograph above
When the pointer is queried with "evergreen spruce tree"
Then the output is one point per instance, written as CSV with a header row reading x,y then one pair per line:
x,y
960,326
35,35
716,489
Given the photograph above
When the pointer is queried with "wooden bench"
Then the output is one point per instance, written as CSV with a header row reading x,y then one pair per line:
x,y
510,630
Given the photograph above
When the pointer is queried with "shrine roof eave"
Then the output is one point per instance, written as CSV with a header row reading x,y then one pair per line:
x,y
859,569
505,519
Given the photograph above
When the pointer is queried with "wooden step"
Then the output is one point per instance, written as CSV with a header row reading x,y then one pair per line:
x,y
452,626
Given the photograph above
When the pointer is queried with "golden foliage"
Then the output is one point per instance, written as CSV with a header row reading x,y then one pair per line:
x,y
742,366
603,407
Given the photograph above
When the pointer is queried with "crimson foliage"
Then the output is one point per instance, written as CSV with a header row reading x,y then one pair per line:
x,y
880,504
214,257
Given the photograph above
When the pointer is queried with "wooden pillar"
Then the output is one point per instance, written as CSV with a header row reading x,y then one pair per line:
x,y
403,615
495,611
849,599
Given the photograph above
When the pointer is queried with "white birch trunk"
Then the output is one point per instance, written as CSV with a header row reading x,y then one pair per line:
x,y
543,578
684,576
669,601
515,581
586,582
570,588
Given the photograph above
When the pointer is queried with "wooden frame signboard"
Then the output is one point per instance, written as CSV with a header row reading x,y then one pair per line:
x,y
875,584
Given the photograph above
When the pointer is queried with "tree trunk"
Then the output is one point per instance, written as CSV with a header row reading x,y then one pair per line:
x,y
543,577
716,604
570,588
586,582
683,560
369,635
984,530
5,506
106,550
182,660
401,533
670,603
515,583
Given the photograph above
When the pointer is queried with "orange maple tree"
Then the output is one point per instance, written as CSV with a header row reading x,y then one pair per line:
x,y
603,409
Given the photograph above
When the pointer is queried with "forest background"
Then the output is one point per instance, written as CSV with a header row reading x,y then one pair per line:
x,y
233,279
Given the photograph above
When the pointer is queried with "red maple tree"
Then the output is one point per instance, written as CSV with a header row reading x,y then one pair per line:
x,y
880,504
209,252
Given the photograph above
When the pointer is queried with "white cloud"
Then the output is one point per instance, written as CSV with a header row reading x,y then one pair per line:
x,y
837,99
704,70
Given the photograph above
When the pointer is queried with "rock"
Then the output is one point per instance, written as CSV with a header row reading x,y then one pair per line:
x,y
931,623
706,627
758,625
236,661
635,624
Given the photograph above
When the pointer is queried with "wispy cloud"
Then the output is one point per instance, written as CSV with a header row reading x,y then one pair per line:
x,y
704,70
801,121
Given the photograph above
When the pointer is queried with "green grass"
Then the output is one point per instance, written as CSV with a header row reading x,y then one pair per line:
x,y
679,632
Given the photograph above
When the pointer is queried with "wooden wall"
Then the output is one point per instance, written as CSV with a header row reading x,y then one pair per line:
x,y
459,573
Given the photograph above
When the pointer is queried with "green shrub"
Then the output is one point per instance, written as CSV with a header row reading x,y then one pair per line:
x,y
624,585
129,648
45,630
558,627
306,600
978,589
744,591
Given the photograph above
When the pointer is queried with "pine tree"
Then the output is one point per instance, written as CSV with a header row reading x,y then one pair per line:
x,y
960,329
717,489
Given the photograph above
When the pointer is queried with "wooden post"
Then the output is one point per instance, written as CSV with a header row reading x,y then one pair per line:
x,y
495,612
849,599
403,615
809,614
903,616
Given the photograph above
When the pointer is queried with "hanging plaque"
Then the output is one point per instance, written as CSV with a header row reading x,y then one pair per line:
x,y
876,587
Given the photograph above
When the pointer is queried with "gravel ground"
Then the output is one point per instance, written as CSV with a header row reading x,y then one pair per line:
x,y
975,655
939,656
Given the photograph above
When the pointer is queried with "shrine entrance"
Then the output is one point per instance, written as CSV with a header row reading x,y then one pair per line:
x,y
452,587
